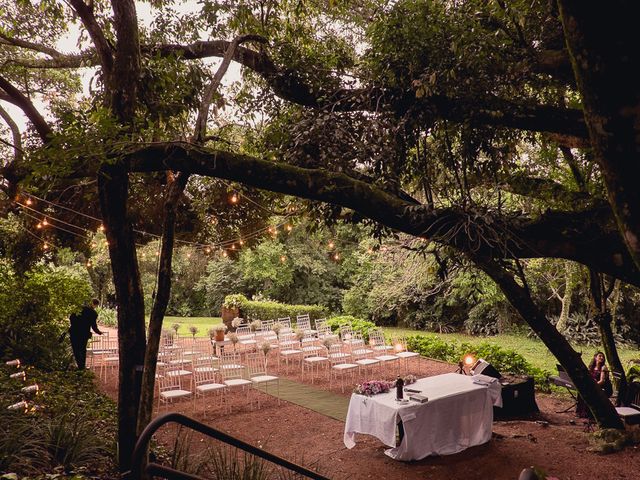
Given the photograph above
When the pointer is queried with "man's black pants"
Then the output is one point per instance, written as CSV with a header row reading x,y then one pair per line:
x,y
79,346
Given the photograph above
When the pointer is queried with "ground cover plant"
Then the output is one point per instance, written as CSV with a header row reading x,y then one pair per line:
x,y
69,426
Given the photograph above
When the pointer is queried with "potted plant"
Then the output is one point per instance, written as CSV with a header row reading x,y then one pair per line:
x,y
233,338
299,334
219,332
255,325
231,307
193,330
236,322
276,328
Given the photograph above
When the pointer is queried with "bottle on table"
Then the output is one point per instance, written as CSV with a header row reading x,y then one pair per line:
x,y
399,388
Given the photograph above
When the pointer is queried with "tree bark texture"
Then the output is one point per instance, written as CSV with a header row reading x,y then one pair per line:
x,y
113,186
161,301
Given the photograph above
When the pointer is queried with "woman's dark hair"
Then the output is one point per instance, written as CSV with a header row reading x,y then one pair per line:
x,y
592,364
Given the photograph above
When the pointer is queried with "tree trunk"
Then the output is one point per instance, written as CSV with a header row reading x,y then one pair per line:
x,y
595,398
602,317
603,46
161,300
113,186
566,298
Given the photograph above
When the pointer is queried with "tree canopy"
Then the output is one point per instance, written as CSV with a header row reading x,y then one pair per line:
x,y
501,130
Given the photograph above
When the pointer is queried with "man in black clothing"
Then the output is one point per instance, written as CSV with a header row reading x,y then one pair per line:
x,y
80,331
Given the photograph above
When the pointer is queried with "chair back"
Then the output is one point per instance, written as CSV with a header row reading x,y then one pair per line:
x,y
303,322
256,364
231,366
204,371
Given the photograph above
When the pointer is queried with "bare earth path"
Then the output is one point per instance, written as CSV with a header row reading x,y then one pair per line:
x,y
313,439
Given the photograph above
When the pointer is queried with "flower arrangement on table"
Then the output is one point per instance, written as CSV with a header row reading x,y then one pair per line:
x,y
373,387
236,322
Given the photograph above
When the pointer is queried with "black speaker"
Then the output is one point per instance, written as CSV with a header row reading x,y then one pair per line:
x,y
485,368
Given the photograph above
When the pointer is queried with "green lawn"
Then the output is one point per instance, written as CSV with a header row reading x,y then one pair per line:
x,y
202,323
531,349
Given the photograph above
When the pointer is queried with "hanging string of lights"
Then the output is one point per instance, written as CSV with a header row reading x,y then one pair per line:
x,y
48,220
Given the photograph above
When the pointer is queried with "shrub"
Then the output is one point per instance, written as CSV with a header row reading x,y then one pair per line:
x,y
358,325
270,310
107,316
60,435
34,311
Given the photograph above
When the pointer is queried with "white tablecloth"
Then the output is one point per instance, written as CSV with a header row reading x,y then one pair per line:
x,y
458,415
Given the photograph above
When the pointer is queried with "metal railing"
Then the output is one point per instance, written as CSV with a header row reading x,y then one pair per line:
x,y
158,470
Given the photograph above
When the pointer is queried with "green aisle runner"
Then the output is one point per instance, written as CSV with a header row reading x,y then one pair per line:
x,y
321,401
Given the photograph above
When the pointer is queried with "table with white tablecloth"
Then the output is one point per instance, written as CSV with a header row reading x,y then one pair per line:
x,y
457,415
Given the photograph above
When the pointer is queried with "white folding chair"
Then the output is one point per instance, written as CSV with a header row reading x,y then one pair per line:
x,y
303,322
400,349
232,372
246,338
340,364
170,389
288,349
206,382
257,366
311,361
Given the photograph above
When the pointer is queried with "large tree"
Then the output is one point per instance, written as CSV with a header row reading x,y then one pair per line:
x,y
438,120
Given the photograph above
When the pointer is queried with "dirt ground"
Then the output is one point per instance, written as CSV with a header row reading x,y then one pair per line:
x,y
554,442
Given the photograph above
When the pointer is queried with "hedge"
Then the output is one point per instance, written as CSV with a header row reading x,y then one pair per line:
x,y
261,310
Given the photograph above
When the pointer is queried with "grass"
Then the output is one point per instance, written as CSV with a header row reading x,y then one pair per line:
x,y
530,348
203,324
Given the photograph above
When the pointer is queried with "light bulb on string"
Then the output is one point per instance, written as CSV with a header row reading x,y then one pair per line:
x,y
39,225
241,242
331,244
283,258
88,264
28,201
208,250
101,228
45,222
224,253
289,227
188,255
45,246
336,256
233,247
234,198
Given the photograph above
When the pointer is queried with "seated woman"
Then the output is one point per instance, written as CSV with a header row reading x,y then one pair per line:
x,y
600,373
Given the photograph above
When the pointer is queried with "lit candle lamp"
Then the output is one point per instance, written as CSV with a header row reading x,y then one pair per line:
x,y
19,375
19,406
13,363
30,389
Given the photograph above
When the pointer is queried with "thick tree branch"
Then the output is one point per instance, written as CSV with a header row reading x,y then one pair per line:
x,y
18,42
20,100
549,190
566,123
587,237
200,129
100,42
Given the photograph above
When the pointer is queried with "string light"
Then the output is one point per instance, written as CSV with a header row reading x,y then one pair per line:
x,y
224,253
45,246
331,244
289,227
234,198
336,256
28,201
101,228
45,223
283,258
233,247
